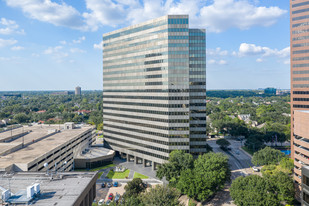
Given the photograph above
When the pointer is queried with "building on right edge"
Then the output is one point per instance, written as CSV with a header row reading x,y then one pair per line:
x,y
299,41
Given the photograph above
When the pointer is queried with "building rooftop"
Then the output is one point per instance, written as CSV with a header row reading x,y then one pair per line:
x,y
63,190
94,152
41,140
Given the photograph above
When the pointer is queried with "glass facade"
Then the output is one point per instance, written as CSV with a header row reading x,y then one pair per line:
x,y
154,90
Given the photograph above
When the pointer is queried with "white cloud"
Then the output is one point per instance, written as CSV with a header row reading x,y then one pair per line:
x,y
8,27
219,62
51,12
259,60
63,42
79,40
77,50
226,14
286,61
222,62
57,53
13,58
211,61
7,42
218,16
17,48
252,49
216,52
98,46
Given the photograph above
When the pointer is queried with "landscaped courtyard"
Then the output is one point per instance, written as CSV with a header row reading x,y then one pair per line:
x,y
118,175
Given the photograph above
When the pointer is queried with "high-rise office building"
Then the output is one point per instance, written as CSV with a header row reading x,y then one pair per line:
x,y
154,89
78,90
299,29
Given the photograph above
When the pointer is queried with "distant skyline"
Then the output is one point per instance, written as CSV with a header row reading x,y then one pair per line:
x,y
56,45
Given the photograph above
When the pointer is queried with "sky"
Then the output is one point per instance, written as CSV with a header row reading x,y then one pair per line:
x,y
57,44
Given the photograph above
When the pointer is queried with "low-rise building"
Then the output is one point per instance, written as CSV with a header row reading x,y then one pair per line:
x,y
45,147
40,188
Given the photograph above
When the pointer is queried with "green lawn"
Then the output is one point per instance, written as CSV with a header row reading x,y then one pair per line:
x,y
138,175
118,175
101,136
247,150
100,174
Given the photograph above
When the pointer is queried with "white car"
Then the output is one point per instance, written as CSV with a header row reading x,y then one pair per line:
x,y
255,169
101,202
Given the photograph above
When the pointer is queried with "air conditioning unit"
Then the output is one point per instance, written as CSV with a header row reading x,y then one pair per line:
x,y
37,189
6,195
30,192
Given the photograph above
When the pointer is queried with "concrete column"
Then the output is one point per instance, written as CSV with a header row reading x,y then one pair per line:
x,y
153,165
128,158
135,160
144,162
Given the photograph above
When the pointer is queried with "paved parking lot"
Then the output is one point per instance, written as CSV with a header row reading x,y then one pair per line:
x,y
102,193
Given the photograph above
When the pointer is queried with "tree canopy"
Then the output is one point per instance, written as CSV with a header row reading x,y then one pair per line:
x,y
267,156
134,187
209,175
178,162
253,190
223,143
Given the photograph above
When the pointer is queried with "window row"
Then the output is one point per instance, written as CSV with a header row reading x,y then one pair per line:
x,y
149,104
149,97
146,111
137,29
147,118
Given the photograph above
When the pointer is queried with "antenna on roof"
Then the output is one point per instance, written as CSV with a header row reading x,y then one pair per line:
x,y
46,166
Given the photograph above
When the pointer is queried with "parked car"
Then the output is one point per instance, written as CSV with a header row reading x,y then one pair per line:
x,y
115,184
110,196
101,202
255,169
117,197
103,185
109,185
108,202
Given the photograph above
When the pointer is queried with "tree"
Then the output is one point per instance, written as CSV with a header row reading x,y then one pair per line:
x,y
287,163
253,190
100,126
254,142
178,161
134,187
267,156
133,200
161,195
21,118
284,186
223,143
209,175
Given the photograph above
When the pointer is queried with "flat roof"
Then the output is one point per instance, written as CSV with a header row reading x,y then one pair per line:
x,y
60,191
94,152
37,149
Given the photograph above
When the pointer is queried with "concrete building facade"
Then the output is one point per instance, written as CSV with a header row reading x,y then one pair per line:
x,y
32,147
299,30
154,89
305,186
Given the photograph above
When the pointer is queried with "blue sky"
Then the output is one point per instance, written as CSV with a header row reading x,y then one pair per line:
x,y
56,44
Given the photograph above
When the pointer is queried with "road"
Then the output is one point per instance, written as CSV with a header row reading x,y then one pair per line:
x,y
240,163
